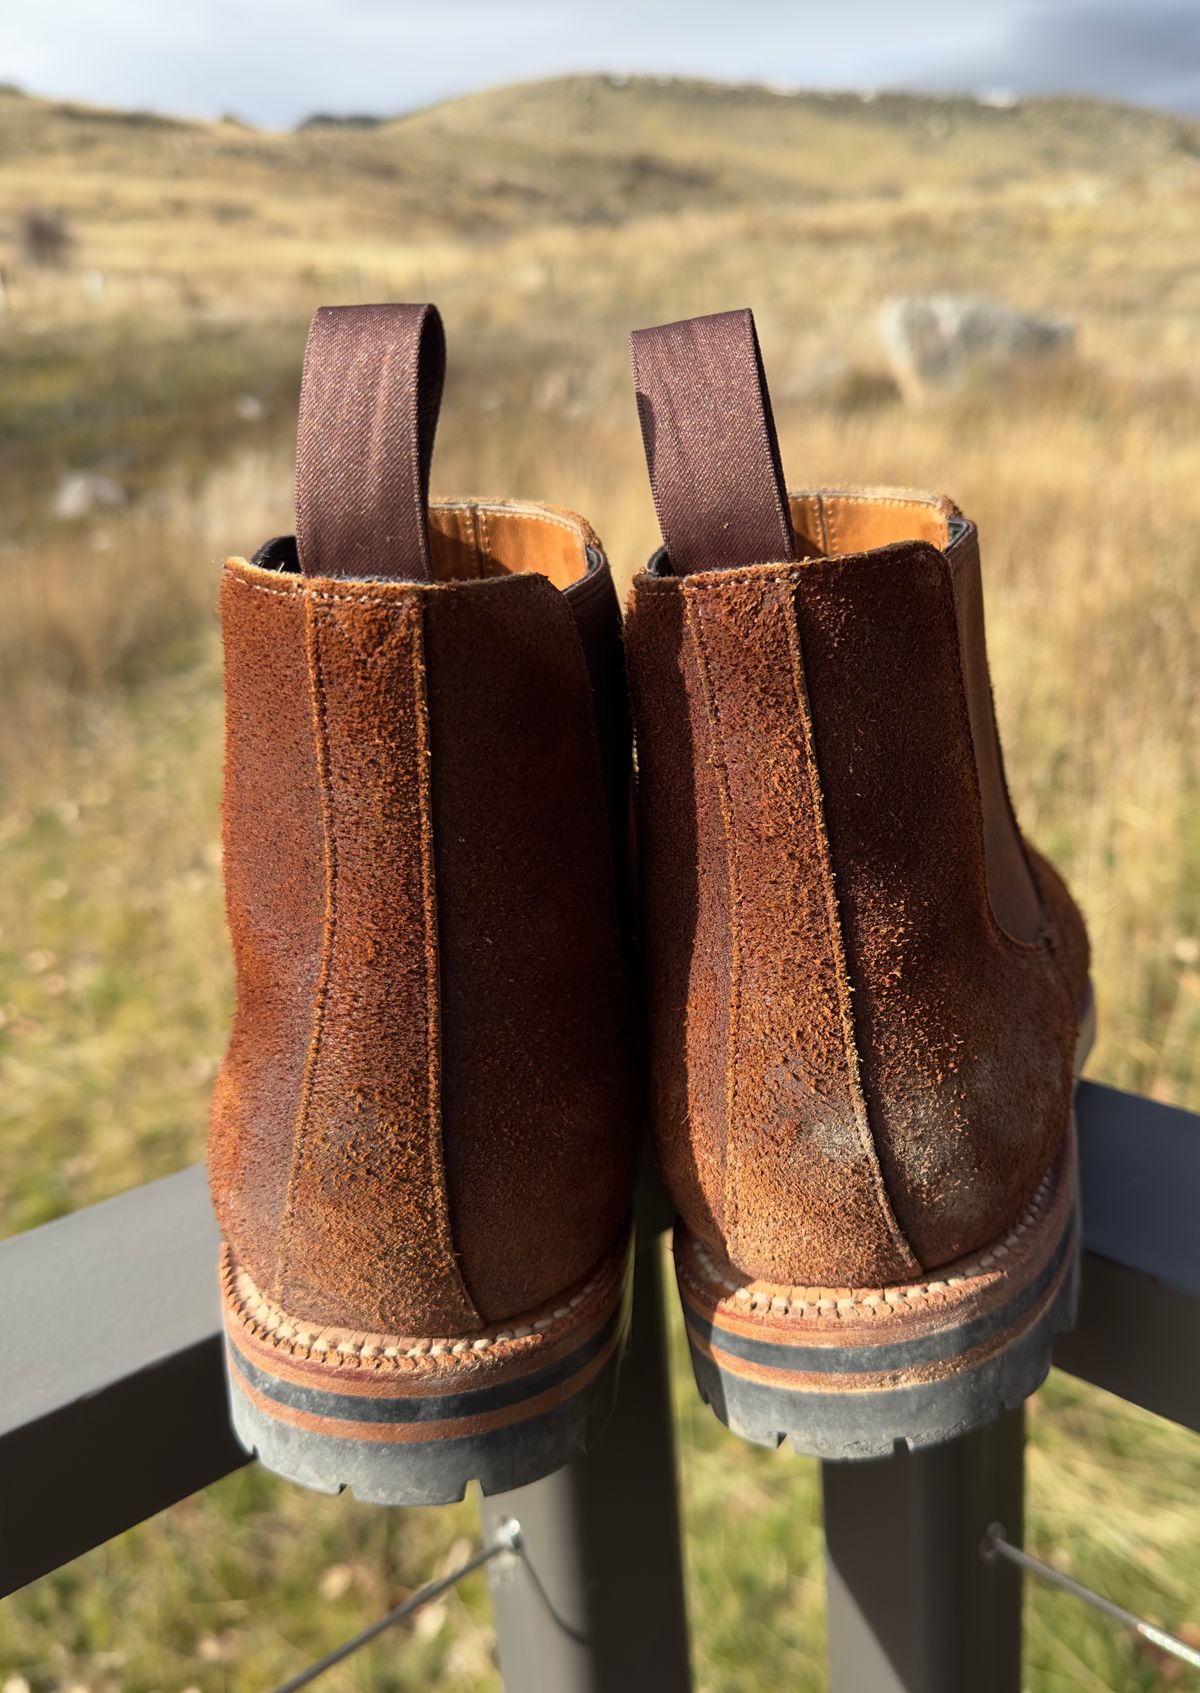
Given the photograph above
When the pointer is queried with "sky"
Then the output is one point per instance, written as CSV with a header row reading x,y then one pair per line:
x,y
273,62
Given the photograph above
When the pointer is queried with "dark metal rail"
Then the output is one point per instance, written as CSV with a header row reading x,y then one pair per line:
x,y
112,1407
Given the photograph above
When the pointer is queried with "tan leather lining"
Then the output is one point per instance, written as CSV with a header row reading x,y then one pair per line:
x,y
473,538
834,522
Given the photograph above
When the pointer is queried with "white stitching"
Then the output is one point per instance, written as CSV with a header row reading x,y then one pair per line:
x,y
251,1307
762,1296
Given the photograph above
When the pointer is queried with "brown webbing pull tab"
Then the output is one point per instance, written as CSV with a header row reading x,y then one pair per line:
x,y
710,443
369,401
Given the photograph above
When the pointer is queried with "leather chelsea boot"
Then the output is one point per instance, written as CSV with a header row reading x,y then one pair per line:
x,y
868,995
422,1143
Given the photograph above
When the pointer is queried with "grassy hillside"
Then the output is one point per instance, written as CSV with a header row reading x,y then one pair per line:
x,y
199,250
163,352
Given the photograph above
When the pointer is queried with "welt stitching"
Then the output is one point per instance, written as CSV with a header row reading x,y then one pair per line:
x,y
835,933
717,760
320,996
247,1306
955,1281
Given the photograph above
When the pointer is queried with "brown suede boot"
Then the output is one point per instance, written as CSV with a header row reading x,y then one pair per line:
x,y
868,996
422,1142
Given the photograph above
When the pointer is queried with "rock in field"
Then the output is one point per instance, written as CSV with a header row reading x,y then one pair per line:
x,y
934,342
81,492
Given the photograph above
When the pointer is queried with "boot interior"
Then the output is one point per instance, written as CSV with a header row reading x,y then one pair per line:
x,y
836,522
473,538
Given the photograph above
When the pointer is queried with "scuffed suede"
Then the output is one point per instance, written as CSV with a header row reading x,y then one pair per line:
x,y
538,1110
425,1121
366,1225
859,1071
798,1182
682,874
966,1037
275,902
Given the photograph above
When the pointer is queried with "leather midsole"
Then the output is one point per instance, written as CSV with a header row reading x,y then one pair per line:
x,y
407,1418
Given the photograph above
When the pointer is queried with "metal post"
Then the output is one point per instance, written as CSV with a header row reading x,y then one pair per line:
x,y
913,1606
594,1600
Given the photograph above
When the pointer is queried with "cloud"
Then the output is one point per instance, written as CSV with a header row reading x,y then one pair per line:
x,y
274,61
1146,51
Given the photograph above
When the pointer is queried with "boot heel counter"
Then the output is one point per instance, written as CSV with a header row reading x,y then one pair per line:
x,y
366,1226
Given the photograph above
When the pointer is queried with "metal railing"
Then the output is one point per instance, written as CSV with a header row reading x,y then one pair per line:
x,y
112,1407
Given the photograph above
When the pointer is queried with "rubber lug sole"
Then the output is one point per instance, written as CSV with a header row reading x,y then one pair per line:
x,y
411,1421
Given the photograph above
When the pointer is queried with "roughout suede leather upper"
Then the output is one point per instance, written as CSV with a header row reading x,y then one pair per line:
x,y
425,1119
864,993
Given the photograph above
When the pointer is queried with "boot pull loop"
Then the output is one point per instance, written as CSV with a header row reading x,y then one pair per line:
x,y
369,401
710,443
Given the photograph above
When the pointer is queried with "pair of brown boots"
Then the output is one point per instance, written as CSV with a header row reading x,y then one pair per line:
x,y
863,996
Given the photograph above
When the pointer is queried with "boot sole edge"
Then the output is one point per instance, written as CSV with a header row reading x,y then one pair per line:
x,y
841,1375
417,1431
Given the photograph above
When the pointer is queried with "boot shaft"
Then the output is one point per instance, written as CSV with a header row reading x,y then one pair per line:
x,y
863,989
426,782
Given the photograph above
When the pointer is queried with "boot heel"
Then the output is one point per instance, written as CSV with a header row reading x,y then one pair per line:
x,y
852,1373
410,1421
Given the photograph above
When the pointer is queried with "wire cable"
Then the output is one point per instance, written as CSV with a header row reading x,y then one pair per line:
x,y
508,1539
996,1545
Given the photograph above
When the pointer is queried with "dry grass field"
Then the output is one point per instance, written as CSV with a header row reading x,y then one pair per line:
x,y
162,351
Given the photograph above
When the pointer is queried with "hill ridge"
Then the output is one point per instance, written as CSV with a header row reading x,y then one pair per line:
x,y
889,101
